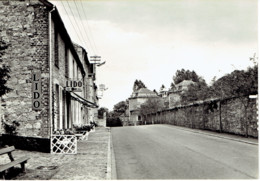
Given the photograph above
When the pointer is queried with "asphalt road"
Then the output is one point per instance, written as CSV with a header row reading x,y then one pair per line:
x,y
167,152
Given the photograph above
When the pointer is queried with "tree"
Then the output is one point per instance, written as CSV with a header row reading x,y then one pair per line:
x,y
183,74
113,116
138,84
101,112
155,92
120,108
172,87
152,105
196,92
4,71
238,83
162,88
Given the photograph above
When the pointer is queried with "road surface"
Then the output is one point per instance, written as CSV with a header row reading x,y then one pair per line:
x,y
168,152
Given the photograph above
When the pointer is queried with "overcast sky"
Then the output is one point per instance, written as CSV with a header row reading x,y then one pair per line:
x,y
150,40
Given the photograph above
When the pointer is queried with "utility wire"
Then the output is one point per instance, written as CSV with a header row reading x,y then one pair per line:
x,y
70,20
91,35
94,51
77,24
81,37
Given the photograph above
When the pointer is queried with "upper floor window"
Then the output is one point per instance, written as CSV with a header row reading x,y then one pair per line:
x,y
66,62
56,47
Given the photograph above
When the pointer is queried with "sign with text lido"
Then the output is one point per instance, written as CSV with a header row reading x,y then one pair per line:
x,y
74,85
36,91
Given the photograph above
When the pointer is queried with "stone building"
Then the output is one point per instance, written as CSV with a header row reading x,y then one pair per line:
x,y
135,101
174,96
90,86
52,82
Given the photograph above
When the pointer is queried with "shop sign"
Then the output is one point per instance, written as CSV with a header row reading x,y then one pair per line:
x,y
36,91
74,85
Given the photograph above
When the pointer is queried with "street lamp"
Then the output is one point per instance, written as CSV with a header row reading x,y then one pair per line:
x,y
102,88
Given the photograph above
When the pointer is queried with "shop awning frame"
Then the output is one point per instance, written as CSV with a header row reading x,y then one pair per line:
x,y
83,100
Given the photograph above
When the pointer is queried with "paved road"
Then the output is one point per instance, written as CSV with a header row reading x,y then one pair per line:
x,y
167,152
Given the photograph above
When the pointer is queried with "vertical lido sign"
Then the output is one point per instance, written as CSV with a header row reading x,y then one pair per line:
x,y
36,91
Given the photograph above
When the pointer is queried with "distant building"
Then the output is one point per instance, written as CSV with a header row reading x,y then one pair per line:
x,y
135,101
163,92
174,96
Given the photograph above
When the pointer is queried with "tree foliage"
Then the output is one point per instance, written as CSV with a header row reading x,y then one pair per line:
x,y
155,92
196,92
113,116
4,71
172,86
138,84
120,108
236,84
183,74
162,88
101,112
152,105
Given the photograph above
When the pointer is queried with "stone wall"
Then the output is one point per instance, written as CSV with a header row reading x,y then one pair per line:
x,y
234,115
102,122
24,28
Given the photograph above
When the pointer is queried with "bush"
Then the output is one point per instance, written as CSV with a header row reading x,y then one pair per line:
x,y
11,128
114,122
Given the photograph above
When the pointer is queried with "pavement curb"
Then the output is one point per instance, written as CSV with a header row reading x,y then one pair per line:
x,y
113,161
214,135
109,159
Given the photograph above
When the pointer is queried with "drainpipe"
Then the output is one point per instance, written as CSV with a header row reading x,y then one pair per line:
x,y
50,71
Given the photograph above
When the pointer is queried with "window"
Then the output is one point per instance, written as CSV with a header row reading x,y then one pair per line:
x,y
56,47
139,118
66,62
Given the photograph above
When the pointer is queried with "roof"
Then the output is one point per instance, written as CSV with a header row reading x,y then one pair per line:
x,y
143,93
85,53
185,83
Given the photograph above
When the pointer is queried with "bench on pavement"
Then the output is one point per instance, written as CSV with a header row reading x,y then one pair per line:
x,y
14,162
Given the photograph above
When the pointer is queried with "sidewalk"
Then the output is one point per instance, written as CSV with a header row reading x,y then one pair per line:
x,y
90,163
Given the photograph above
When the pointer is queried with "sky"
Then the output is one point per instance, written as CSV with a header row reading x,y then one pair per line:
x,y
150,40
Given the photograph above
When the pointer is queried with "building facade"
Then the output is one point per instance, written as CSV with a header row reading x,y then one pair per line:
x,y
52,80
138,98
174,96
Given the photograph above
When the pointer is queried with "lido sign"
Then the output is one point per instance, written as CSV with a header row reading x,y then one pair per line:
x,y
36,91
74,85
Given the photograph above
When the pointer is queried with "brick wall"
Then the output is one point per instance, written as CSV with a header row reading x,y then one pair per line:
x,y
234,115
24,28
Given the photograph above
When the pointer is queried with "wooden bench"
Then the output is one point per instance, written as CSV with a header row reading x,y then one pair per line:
x,y
5,167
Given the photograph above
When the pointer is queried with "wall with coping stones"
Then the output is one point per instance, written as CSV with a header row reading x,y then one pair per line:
x,y
237,115
24,28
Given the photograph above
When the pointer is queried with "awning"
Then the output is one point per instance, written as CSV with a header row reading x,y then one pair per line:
x,y
83,101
